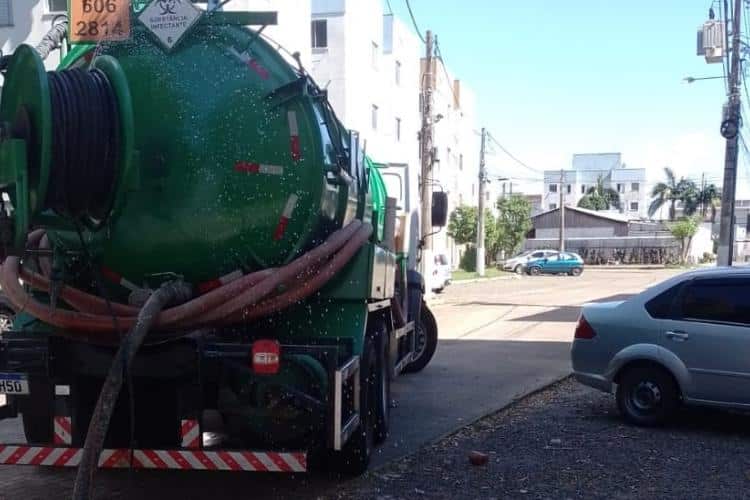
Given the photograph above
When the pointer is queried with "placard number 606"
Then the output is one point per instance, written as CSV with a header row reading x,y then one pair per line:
x,y
99,6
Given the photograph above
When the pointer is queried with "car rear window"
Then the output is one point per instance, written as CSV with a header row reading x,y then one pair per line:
x,y
661,306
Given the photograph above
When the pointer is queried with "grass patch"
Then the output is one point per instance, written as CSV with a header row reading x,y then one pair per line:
x,y
489,272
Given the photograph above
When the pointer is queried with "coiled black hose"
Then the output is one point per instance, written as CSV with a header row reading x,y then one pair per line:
x,y
85,143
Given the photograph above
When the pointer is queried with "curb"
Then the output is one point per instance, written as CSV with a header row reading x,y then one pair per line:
x,y
477,280
514,401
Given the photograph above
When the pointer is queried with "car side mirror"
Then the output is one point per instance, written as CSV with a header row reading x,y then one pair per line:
x,y
439,209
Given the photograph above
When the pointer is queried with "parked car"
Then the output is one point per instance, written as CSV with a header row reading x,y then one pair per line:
x,y
518,263
559,263
441,273
686,340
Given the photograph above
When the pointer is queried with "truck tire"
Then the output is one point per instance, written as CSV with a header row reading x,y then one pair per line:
x,y
427,339
6,318
382,379
37,412
354,457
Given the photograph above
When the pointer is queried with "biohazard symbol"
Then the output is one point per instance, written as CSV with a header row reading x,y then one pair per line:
x,y
168,6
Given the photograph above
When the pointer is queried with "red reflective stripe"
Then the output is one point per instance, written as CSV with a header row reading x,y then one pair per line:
x,y
115,458
302,459
204,459
41,455
227,459
280,229
295,147
280,462
255,65
17,455
188,425
158,462
257,464
243,166
65,457
64,422
177,457
137,464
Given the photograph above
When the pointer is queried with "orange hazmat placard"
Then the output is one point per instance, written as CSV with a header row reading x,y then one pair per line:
x,y
99,20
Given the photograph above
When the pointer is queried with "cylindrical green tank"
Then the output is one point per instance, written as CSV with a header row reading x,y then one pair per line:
x,y
236,159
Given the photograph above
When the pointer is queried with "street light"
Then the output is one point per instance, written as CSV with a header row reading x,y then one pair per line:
x,y
691,79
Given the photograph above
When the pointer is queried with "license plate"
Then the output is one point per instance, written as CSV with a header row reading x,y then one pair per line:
x,y
14,383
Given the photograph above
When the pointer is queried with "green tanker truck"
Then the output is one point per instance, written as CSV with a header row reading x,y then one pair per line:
x,y
193,242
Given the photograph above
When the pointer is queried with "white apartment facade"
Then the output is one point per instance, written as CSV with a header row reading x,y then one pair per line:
x,y
369,63
587,169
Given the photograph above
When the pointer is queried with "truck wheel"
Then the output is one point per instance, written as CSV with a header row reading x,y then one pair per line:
x,y
354,457
37,412
382,406
427,339
6,319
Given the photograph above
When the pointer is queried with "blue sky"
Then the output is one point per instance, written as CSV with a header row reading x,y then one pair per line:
x,y
555,78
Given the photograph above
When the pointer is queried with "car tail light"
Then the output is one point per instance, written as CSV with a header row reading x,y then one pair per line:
x,y
584,329
266,357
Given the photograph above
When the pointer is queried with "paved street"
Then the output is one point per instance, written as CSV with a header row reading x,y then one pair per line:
x,y
498,340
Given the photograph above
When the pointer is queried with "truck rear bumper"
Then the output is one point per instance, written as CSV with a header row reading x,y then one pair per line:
x,y
227,460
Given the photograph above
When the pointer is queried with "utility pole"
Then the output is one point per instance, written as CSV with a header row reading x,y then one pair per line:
x,y
480,208
427,158
703,201
562,212
730,130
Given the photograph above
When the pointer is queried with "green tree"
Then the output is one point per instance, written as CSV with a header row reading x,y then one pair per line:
x,y
684,230
513,222
710,199
462,225
600,197
665,192
689,195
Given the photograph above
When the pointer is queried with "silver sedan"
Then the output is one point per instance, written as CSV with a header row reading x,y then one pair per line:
x,y
686,340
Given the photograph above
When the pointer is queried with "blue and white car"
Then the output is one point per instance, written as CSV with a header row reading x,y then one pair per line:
x,y
686,340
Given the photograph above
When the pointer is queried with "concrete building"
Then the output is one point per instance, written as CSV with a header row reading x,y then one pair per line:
x,y
369,63
587,169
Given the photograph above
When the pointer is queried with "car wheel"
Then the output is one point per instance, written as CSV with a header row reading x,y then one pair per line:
x,y
576,271
535,271
518,269
647,395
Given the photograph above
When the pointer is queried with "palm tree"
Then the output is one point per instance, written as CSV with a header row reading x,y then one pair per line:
x,y
689,195
599,197
710,197
665,192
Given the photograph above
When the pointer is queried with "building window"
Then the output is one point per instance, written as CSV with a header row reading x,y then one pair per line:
x,y
398,72
570,188
621,188
553,188
583,189
633,206
320,34
6,16
487,196
374,117
374,55
55,6
635,186
472,190
552,206
460,162
398,129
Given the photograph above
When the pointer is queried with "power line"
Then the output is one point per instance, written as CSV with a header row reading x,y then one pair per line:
x,y
390,9
445,71
414,21
512,156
